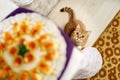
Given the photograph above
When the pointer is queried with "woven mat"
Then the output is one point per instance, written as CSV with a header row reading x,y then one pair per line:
x,y
109,45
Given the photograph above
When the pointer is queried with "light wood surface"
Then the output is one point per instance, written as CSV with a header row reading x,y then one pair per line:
x,y
95,14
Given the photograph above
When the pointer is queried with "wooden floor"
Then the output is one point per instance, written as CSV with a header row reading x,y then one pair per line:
x,y
95,14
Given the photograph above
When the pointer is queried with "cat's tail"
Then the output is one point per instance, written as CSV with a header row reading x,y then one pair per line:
x,y
69,11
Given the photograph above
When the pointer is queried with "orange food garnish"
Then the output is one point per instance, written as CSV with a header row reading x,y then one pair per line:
x,y
44,38
7,68
44,67
13,50
24,76
31,45
29,58
36,70
8,37
17,34
4,72
23,28
1,62
36,29
18,61
15,27
22,41
50,56
24,25
49,45
2,46
36,76
11,77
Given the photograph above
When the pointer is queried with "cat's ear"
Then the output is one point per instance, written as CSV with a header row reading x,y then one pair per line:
x,y
78,26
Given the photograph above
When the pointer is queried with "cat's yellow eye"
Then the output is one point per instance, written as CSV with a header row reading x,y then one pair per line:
x,y
82,36
77,33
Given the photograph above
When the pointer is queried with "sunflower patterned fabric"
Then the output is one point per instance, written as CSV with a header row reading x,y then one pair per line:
x,y
109,45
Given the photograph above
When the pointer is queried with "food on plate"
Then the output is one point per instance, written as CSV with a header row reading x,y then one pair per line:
x,y
31,47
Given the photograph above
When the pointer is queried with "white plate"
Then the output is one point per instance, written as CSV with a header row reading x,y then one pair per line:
x,y
22,2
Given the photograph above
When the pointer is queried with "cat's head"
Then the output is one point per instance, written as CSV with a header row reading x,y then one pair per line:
x,y
79,37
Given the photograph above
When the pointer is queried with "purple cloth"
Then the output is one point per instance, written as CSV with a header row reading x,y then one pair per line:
x,y
68,41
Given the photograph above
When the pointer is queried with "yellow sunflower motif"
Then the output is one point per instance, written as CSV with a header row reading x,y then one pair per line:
x,y
23,60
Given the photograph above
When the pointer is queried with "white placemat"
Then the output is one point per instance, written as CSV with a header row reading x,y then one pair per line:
x,y
6,7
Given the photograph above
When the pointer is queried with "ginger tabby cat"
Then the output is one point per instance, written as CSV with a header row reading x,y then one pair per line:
x,y
75,29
